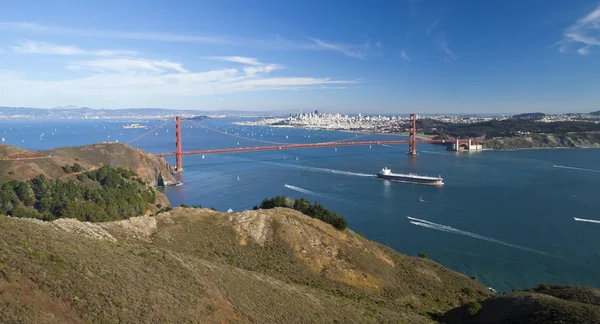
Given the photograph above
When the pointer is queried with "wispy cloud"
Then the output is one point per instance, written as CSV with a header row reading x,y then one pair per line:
x,y
255,67
127,65
404,55
276,43
431,27
33,47
132,79
56,30
446,48
345,49
585,33
235,59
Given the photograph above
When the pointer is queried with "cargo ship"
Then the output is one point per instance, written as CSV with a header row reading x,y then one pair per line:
x,y
387,174
133,126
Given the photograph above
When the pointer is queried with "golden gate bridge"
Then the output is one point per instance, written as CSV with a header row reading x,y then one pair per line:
x,y
179,153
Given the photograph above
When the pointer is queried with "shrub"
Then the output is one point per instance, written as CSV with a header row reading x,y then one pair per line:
x,y
112,198
422,255
183,206
473,308
304,206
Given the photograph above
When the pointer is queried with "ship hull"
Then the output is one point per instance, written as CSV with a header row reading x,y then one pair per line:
x,y
399,178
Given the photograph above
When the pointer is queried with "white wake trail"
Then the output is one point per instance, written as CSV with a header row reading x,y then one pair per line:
x,y
575,168
586,220
304,191
323,170
450,229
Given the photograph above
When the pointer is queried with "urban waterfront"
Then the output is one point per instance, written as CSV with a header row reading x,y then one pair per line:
x,y
505,217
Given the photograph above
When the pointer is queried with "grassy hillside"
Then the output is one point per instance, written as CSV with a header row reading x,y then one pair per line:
x,y
545,304
197,265
49,163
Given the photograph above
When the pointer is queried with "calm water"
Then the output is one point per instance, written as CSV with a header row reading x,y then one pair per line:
x,y
504,217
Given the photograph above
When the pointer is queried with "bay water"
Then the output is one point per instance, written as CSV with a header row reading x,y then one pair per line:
x,y
512,219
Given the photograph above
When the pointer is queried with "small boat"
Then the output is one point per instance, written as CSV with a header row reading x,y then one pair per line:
x,y
296,158
133,126
238,178
179,184
421,199
335,149
3,139
203,156
387,174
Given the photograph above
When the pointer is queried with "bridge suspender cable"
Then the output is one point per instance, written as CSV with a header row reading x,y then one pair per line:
x,y
233,135
148,132
268,142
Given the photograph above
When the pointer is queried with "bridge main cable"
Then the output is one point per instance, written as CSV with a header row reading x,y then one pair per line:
x,y
268,142
148,132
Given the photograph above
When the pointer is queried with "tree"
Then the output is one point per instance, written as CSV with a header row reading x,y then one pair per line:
x,y
473,308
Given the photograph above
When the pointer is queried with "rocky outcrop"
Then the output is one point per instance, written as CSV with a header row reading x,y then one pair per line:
x,y
568,140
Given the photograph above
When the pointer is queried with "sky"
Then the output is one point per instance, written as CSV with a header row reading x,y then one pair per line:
x,y
424,56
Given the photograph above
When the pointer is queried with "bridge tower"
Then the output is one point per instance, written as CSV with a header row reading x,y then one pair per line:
x,y
412,135
178,152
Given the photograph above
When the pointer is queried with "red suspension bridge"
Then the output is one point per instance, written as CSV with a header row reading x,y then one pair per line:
x,y
179,153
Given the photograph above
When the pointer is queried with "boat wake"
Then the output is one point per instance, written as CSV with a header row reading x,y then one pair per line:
x,y
586,220
325,170
449,229
302,190
574,168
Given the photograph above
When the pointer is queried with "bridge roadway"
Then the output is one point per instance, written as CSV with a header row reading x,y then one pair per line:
x,y
297,146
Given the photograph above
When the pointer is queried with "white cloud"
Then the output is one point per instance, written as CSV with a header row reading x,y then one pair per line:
x,y
276,43
432,27
255,67
166,37
132,80
346,50
127,65
585,32
446,48
33,47
235,59
404,55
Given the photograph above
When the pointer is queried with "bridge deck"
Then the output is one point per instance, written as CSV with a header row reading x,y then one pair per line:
x,y
312,145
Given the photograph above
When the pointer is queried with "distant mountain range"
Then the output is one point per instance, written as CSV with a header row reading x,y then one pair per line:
x,y
73,112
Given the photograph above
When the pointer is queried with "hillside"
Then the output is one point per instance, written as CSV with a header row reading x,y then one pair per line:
x,y
545,304
572,140
49,163
197,265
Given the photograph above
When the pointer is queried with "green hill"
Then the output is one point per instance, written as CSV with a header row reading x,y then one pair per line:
x,y
197,265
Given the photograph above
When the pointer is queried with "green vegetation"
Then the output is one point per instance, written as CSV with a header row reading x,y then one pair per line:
x,y
473,308
99,195
504,128
73,169
304,206
422,255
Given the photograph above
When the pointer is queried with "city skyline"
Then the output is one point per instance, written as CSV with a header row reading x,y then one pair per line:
x,y
428,56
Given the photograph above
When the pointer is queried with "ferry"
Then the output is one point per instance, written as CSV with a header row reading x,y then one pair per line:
x,y
386,173
133,126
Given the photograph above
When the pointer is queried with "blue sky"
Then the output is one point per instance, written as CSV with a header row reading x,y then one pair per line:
x,y
398,56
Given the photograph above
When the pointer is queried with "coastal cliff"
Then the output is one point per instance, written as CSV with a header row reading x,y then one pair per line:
x,y
532,141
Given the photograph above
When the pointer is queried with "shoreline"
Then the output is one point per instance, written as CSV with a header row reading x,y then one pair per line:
x,y
367,132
